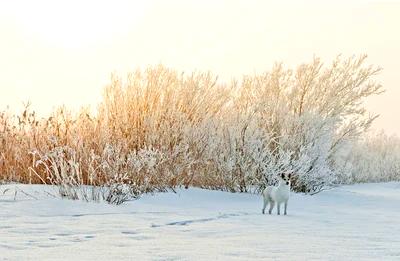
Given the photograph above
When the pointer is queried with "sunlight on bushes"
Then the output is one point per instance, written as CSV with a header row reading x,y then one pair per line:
x,y
159,129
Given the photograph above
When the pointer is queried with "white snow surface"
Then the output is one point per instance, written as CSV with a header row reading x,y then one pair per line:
x,y
358,222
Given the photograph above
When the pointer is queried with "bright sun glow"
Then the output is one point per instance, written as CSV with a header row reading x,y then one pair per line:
x,y
60,48
77,24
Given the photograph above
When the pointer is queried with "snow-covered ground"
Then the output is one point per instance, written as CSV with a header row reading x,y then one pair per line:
x,y
360,222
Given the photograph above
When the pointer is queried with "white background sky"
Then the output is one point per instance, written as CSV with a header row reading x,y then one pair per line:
x,y
63,52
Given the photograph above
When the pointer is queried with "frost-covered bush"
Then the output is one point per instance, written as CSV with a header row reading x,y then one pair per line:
x,y
292,120
116,177
374,158
160,129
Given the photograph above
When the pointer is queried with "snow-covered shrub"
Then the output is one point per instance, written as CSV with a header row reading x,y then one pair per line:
x,y
160,129
62,168
374,158
293,120
116,179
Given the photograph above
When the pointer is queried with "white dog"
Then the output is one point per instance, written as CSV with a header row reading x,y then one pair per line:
x,y
278,195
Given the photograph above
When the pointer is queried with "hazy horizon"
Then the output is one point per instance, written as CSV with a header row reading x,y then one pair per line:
x,y
64,53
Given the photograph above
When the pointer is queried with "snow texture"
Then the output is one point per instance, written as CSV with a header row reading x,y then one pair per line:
x,y
358,222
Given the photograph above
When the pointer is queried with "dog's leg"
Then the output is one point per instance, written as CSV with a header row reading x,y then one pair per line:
x,y
285,213
279,208
265,204
271,206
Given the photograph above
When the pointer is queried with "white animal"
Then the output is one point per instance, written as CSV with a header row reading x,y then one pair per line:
x,y
278,195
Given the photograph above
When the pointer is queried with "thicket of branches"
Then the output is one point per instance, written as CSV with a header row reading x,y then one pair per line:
x,y
160,128
376,158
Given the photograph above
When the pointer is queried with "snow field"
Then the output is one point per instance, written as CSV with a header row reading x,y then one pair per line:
x,y
358,222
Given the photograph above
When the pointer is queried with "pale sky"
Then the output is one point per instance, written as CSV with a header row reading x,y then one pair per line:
x,y
63,52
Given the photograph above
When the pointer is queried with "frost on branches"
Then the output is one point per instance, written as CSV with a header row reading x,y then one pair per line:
x,y
159,129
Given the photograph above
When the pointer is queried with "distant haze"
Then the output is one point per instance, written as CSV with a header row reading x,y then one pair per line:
x,y
54,52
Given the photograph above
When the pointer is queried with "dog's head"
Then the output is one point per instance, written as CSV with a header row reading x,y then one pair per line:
x,y
285,177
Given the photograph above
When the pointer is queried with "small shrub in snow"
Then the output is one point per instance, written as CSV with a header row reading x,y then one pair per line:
x,y
112,182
